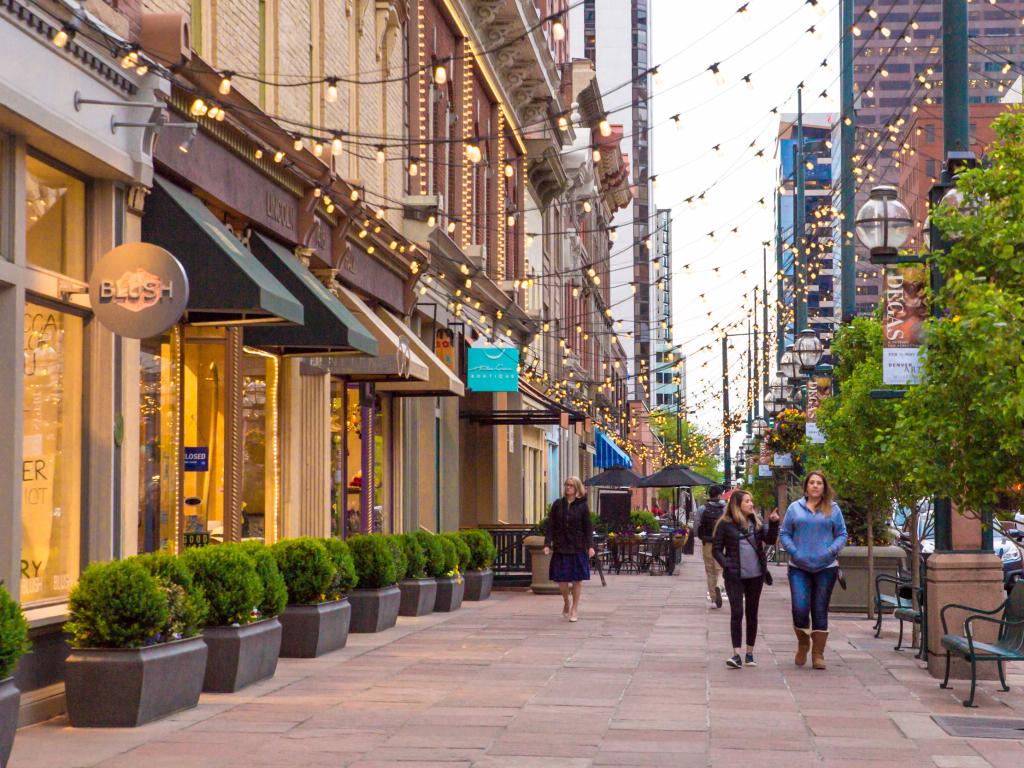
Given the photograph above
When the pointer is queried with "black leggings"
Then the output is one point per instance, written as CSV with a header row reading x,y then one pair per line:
x,y
743,593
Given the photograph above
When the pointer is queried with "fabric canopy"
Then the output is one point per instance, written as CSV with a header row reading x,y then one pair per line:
x,y
615,477
608,454
675,476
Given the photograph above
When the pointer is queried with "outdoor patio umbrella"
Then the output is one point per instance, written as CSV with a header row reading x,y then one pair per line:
x,y
675,476
614,477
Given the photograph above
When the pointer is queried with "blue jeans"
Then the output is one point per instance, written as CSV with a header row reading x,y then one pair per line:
x,y
811,594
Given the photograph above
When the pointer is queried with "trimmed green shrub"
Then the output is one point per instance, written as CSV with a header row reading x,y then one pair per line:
x,y
307,569
451,554
374,561
434,549
275,591
229,579
119,604
186,603
415,556
398,552
13,634
462,553
345,578
482,551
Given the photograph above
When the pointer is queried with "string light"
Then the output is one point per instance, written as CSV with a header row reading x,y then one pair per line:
x,y
332,90
380,155
225,84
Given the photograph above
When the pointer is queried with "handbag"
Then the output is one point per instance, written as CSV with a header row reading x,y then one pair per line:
x,y
768,579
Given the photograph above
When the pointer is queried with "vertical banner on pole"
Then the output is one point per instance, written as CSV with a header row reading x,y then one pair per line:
x,y
905,313
819,388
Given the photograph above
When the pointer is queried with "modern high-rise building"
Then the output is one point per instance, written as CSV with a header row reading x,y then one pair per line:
x,y
816,240
897,65
668,367
621,54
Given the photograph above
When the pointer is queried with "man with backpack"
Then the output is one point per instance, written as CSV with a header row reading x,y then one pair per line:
x,y
707,516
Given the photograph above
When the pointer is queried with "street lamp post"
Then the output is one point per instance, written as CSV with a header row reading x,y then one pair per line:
x,y
884,225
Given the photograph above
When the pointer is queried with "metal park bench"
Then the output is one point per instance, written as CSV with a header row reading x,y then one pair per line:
x,y
1008,646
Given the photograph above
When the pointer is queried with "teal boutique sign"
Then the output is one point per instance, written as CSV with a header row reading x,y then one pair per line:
x,y
493,369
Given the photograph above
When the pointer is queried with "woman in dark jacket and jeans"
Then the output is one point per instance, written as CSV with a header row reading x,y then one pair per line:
x,y
739,547
571,535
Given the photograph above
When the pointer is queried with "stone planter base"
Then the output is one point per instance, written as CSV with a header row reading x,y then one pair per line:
x,y
478,584
418,597
539,566
308,631
449,594
127,687
854,562
241,656
374,610
10,697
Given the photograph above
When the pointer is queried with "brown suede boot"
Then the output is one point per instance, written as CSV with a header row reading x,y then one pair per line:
x,y
803,645
819,638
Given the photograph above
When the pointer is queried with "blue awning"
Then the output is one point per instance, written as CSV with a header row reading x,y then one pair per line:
x,y
608,454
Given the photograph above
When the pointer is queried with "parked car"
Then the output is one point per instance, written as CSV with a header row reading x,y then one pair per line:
x,y
1007,538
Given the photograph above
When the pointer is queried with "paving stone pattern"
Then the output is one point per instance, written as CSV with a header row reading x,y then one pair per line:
x,y
640,680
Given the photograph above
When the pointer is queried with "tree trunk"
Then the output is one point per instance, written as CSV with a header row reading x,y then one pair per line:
x,y
871,563
915,570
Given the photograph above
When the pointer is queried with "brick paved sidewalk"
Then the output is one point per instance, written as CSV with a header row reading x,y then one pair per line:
x,y
640,680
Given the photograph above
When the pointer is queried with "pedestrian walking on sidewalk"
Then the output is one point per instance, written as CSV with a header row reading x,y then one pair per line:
x,y
739,547
813,533
704,525
569,539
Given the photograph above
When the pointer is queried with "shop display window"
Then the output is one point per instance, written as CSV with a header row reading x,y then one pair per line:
x,y
159,434
54,218
51,453
260,448
358,441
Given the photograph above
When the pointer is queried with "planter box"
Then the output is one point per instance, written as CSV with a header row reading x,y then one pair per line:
x,y
127,687
449,594
418,597
241,656
10,697
854,562
540,565
374,610
308,631
478,584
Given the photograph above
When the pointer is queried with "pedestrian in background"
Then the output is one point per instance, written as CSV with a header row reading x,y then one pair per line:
x,y
739,547
813,533
569,539
704,525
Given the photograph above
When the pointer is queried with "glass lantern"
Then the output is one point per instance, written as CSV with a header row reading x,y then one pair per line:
x,y
883,224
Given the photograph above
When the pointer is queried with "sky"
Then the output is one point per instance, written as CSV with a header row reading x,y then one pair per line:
x,y
772,44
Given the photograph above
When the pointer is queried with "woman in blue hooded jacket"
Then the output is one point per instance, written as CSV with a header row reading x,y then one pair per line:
x,y
813,534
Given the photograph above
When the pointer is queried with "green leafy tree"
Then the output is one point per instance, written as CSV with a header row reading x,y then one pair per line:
x,y
686,444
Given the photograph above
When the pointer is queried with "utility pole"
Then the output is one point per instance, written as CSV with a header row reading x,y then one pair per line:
x,y
847,136
726,429
757,365
750,380
764,302
780,326
799,257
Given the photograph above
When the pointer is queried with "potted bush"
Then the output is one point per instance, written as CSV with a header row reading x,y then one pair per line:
x,y
482,552
136,654
13,645
450,584
244,644
419,592
376,601
314,622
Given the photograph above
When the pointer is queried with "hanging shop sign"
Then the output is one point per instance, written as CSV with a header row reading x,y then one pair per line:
x,y
905,313
493,369
444,346
138,290
819,388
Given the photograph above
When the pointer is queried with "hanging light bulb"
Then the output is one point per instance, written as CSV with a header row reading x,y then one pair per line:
x,y
225,84
278,156
656,76
558,30
332,90
440,73
509,170
563,123
596,154
716,72
587,207
613,234
258,153
654,181
451,227
748,81
381,156
318,148
473,153
336,146
604,127
414,167
297,144
198,108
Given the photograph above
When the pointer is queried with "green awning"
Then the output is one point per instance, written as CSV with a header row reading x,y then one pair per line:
x,y
227,284
329,325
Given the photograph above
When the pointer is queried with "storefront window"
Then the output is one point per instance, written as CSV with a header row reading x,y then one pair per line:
x,y
260,450
366,448
204,462
354,429
51,453
339,447
159,426
55,219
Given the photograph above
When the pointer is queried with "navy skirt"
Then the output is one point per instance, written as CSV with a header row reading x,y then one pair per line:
x,y
569,567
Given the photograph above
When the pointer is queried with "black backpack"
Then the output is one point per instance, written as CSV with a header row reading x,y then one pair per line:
x,y
713,510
